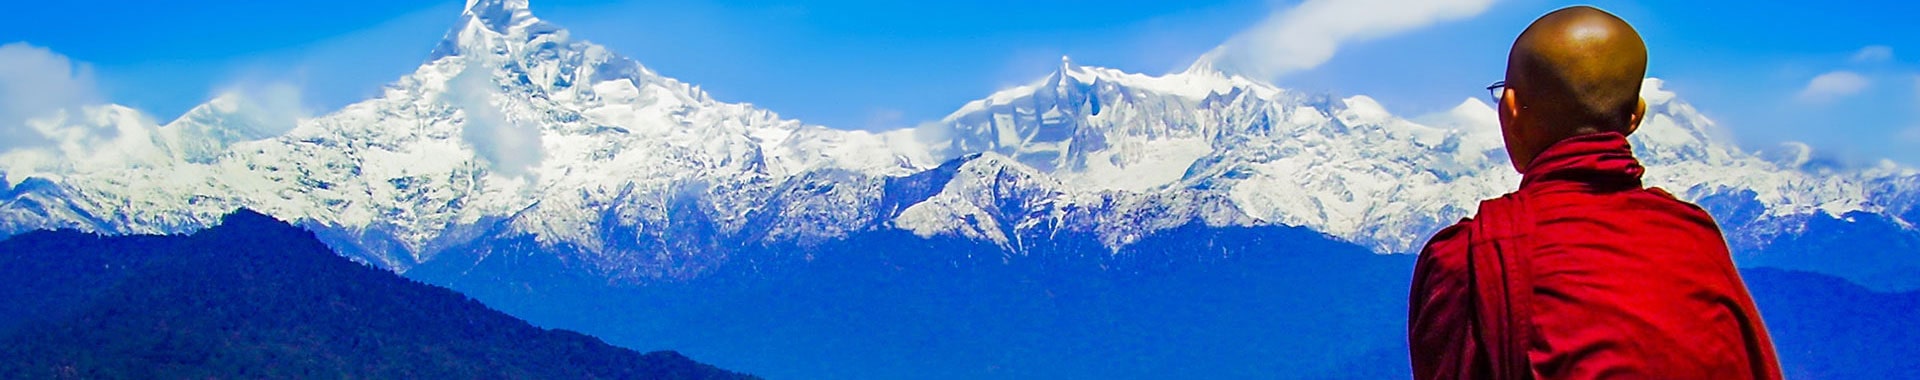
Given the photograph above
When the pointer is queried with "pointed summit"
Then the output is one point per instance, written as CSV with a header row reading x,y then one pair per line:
x,y
485,21
500,16
1070,73
1204,65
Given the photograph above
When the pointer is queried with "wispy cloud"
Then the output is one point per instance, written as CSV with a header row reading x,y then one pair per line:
x,y
1833,86
37,82
510,147
1873,54
267,108
53,119
1307,35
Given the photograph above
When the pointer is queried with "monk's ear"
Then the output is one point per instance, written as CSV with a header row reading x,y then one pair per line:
x,y
1639,114
1509,104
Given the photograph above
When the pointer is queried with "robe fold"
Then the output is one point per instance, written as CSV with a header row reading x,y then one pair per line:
x,y
1583,273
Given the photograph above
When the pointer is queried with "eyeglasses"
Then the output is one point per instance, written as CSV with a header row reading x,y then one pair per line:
x,y
1497,90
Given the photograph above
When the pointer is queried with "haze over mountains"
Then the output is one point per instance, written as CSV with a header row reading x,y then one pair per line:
x,y
574,187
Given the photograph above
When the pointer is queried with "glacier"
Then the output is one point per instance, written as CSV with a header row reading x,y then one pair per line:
x,y
516,131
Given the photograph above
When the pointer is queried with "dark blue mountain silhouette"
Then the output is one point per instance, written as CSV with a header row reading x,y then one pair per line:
x,y
257,298
1828,328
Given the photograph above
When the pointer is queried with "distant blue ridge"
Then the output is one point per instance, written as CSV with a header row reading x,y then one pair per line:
x,y
1194,302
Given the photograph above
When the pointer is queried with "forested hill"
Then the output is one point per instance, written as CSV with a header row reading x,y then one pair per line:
x,y
257,298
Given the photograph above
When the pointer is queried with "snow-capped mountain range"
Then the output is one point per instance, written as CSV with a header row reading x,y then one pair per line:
x,y
513,128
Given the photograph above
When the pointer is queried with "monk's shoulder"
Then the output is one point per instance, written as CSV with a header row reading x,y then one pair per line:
x,y
1441,273
1454,232
1662,193
1448,245
1660,197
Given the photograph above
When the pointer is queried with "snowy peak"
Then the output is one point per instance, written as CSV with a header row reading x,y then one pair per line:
x,y
499,16
1675,134
204,132
1072,77
1204,66
1098,127
514,131
486,23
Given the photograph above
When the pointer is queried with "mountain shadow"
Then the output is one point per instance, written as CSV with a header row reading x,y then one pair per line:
x,y
257,298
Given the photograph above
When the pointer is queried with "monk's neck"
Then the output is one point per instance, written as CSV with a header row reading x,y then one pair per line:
x,y
1595,162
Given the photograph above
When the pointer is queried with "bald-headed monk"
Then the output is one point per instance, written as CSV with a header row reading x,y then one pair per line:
x,y
1583,272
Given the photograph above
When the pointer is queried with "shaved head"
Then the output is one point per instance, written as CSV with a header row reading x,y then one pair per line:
x,y
1575,71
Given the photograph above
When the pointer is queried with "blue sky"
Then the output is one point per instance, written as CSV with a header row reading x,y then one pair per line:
x,y
873,64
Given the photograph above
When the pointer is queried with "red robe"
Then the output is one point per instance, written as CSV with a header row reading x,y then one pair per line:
x,y
1581,274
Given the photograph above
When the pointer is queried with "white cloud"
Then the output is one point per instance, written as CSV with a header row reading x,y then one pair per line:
x,y
1307,35
1833,86
510,148
1873,54
52,120
34,83
268,108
